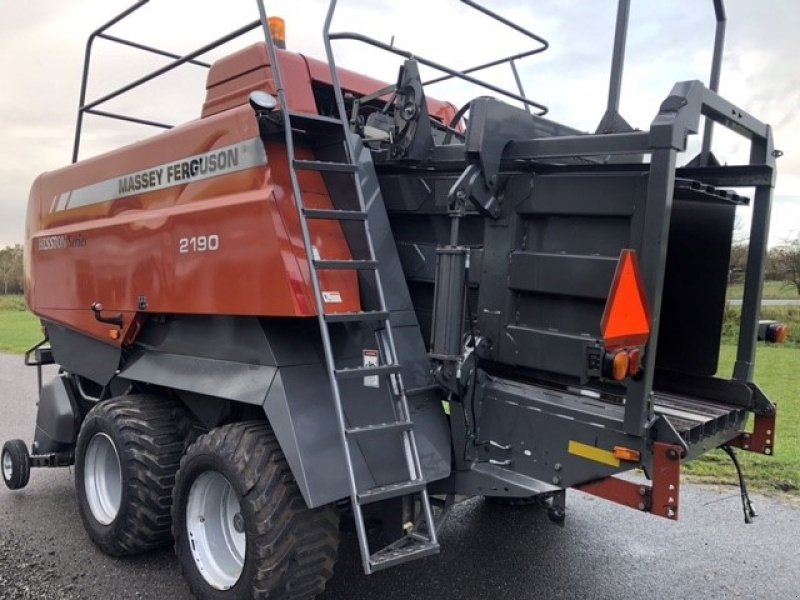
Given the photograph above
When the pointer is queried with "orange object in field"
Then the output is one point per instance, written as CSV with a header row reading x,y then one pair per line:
x,y
197,220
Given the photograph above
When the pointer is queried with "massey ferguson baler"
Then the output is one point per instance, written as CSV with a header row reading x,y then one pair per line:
x,y
330,293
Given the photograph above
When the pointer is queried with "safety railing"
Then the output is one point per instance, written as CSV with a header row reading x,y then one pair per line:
x,y
101,32
449,73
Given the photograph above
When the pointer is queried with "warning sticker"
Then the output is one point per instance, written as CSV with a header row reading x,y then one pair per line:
x,y
332,297
371,360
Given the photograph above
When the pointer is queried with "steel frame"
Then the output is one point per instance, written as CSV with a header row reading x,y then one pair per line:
x,y
678,117
662,498
85,107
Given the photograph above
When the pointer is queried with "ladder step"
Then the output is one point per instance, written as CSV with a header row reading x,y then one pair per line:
x,y
335,215
391,556
321,165
310,121
345,265
369,315
382,427
393,490
366,371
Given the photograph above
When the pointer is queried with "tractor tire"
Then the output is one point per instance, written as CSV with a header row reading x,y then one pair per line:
x,y
241,526
16,464
128,451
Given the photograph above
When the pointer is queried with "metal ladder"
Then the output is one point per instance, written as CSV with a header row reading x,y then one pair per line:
x,y
415,544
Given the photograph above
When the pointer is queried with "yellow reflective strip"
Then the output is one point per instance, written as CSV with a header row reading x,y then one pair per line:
x,y
592,453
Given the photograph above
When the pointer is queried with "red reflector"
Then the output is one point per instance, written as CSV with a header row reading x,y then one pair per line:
x,y
626,318
634,361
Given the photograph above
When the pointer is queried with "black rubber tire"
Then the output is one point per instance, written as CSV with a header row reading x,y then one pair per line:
x,y
20,464
290,549
146,433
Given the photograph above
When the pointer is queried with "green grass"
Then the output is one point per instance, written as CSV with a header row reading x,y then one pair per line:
x,y
777,374
19,329
773,290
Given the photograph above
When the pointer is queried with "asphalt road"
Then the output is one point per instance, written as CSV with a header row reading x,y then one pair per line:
x,y
603,551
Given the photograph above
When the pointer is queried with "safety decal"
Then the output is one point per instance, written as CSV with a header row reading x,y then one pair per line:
x,y
593,453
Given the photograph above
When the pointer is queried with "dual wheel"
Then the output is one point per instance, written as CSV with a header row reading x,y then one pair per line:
x,y
239,523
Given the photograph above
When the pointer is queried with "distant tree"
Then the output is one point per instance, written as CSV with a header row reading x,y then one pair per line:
x,y
11,278
773,270
787,257
739,248
738,261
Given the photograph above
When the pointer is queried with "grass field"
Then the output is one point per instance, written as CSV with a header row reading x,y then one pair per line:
x,y
777,372
19,329
772,290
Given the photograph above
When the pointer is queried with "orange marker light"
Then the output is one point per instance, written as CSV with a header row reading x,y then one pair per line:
x,y
627,454
113,334
277,29
626,318
621,364
616,365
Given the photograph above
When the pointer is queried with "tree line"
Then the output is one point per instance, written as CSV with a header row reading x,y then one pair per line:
x,y
11,277
783,263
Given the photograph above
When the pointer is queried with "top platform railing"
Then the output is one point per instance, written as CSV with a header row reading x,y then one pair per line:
x,y
448,72
92,107
615,81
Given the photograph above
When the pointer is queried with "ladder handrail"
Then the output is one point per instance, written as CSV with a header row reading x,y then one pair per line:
x,y
410,438
390,353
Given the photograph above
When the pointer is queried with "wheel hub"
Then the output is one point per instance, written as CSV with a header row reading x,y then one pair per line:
x,y
216,529
8,466
103,479
238,522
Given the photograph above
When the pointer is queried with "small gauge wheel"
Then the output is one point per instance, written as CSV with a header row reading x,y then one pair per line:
x,y
15,463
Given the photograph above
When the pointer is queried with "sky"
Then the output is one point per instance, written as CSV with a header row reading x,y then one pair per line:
x,y
42,48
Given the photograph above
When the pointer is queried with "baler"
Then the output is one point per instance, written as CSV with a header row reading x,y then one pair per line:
x,y
329,294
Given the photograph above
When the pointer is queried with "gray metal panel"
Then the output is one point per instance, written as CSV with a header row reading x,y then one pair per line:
x,y
83,355
239,339
302,416
394,284
227,379
56,418
585,194
301,413
565,274
538,425
545,350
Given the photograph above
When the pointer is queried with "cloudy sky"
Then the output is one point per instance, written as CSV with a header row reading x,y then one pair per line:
x,y
42,45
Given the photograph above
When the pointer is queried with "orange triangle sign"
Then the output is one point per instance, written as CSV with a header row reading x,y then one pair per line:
x,y
626,318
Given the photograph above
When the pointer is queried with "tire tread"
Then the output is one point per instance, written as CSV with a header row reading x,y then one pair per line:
x,y
149,427
296,546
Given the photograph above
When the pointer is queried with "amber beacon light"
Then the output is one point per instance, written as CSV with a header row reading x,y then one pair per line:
x,y
277,29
